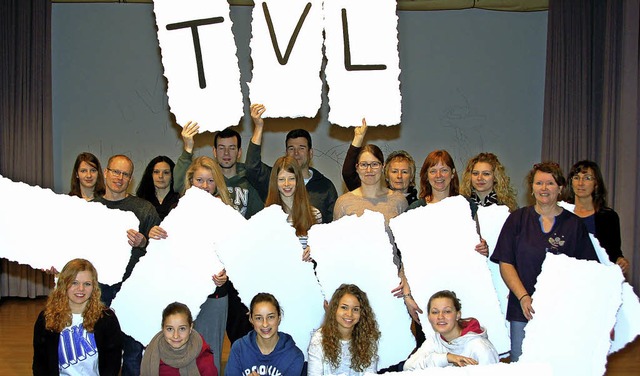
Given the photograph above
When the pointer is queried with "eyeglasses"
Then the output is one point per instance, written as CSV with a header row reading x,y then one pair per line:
x,y
364,165
578,178
117,173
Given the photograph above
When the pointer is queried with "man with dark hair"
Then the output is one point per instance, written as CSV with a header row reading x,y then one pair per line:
x,y
117,177
227,150
322,192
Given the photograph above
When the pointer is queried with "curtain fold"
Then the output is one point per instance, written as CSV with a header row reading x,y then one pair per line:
x,y
26,144
591,105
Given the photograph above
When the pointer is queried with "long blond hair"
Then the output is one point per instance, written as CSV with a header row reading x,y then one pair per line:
x,y
501,181
302,216
207,163
57,312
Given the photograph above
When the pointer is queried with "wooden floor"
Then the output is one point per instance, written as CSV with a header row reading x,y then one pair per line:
x,y
17,316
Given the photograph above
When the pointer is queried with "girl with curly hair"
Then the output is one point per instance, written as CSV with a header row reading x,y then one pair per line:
x,y
347,342
76,333
486,182
287,189
178,349
87,179
454,341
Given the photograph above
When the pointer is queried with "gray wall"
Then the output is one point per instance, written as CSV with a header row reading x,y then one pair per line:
x,y
472,81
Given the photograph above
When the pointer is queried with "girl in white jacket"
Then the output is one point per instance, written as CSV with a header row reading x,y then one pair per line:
x,y
455,341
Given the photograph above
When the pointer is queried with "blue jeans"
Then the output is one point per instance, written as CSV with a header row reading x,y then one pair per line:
x,y
517,336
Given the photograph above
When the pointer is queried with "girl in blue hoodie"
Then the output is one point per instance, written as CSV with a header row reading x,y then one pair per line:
x,y
265,350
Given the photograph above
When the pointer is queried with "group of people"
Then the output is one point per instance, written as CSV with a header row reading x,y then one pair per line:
x,y
77,334
348,339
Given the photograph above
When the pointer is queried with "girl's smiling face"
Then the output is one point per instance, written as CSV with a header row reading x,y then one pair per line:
x,y
265,320
286,183
176,330
444,317
482,177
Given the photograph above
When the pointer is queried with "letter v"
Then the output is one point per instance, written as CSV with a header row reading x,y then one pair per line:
x,y
292,40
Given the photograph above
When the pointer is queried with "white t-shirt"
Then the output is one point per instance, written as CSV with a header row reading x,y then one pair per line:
x,y
77,350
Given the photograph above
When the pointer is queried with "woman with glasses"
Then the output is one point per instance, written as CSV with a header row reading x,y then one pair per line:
x,y
527,236
286,188
399,167
372,194
589,194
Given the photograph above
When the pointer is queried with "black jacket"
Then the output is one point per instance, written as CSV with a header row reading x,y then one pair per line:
x,y
108,341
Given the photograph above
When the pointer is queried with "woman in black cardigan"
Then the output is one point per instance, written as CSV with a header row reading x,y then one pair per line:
x,y
589,194
76,333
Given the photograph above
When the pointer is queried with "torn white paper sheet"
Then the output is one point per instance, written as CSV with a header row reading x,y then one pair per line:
x,y
357,250
199,58
603,257
178,268
576,303
363,65
627,326
438,253
267,257
63,228
499,369
491,219
286,50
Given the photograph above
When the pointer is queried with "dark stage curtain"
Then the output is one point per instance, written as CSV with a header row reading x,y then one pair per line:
x,y
25,119
591,107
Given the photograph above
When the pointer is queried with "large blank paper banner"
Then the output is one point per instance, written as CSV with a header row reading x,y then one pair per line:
x,y
63,228
266,256
363,67
438,253
357,250
491,219
178,268
200,62
576,303
627,326
286,50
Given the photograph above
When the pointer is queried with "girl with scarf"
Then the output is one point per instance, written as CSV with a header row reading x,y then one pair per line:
x,y
178,350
